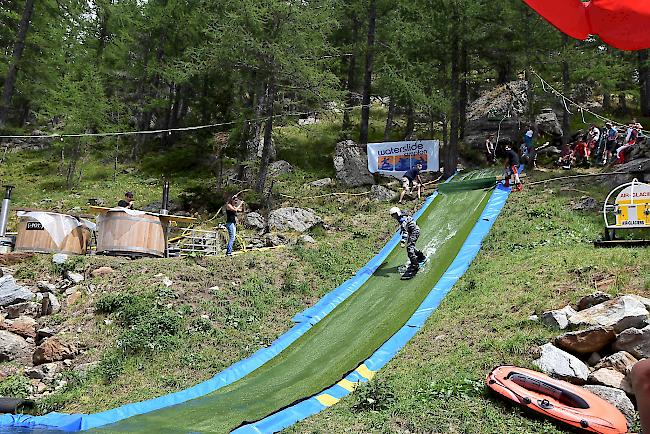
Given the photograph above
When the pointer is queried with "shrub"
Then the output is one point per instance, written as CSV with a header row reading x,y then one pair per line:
x,y
373,396
15,386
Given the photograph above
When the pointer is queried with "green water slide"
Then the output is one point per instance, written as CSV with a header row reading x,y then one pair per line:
x,y
338,343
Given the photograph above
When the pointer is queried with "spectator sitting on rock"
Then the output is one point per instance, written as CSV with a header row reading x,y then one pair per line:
x,y
127,202
610,142
631,136
593,137
566,157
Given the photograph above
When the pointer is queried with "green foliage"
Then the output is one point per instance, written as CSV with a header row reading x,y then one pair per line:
x,y
374,395
448,388
15,386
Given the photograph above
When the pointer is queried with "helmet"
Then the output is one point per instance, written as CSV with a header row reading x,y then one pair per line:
x,y
395,211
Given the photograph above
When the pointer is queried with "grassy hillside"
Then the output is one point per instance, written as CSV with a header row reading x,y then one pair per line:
x,y
539,256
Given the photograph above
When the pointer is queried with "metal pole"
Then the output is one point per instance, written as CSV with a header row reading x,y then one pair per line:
x,y
4,212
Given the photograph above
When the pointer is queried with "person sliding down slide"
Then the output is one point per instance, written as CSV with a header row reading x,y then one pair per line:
x,y
410,233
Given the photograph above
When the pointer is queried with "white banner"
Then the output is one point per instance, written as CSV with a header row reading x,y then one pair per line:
x,y
395,158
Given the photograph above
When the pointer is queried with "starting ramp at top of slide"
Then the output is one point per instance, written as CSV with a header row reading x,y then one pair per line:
x,y
331,340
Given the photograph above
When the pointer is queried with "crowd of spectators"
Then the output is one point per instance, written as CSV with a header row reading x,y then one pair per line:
x,y
608,146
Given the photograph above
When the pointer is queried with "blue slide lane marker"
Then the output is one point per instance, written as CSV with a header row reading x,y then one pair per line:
x,y
311,406
304,321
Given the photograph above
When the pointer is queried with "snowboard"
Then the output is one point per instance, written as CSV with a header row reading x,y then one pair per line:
x,y
409,273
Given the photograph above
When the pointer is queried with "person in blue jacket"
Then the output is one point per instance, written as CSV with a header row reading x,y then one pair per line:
x,y
410,233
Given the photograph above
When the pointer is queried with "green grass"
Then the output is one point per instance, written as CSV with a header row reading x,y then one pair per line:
x,y
538,257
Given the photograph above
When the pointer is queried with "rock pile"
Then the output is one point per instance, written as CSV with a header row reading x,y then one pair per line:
x,y
606,338
43,353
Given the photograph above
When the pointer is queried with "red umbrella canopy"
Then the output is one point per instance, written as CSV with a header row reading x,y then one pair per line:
x,y
620,23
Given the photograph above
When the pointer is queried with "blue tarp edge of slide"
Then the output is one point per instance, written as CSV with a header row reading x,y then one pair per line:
x,y
311,406
304,321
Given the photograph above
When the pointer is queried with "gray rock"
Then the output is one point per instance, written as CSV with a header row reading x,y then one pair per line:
x,y
591,300
279,168
533,318
75,278
306,239
45,332
44,286
549,150
548,123
610,378
293,219
594,359
619,314
12,293
586,341
644,300
351,165
501,108
50,305
617,398
558,318
13,347
59,258
621,361
273,240
382,194
321,183
585,204
634,341
254,220
85,368
26,308
561,364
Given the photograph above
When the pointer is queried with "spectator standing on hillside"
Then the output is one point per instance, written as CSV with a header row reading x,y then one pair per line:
x,y
512,169
593,137
490,149
411,180
233,206
611,135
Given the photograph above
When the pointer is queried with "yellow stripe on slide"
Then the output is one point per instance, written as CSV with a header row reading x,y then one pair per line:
x,y
347,385
365,372
327,400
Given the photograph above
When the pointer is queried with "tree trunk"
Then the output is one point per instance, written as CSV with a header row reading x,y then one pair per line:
x,y
389,118
566,87
644,83
410,122
19,46
268,139
607,101
367,79
462,113
622,103
352,66
255,132
451,150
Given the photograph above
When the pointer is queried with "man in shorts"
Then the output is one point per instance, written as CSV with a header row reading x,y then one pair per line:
x,y
411,180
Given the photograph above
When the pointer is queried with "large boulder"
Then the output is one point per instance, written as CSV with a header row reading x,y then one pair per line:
x,y
499,109
27,308
548,123
254,220
382,194
610,378
586,341
634,341
591,300
13,347
621,361
293,219
617,398
23,326
351,165
561,364
619,314
11,292
53,350
279,168
559,318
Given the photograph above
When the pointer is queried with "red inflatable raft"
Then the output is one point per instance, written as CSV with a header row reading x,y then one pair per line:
x,y
557,399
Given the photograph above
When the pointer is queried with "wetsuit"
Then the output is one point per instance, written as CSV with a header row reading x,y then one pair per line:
x,y
410,233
